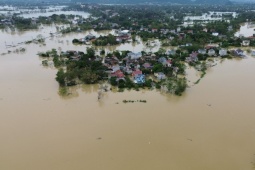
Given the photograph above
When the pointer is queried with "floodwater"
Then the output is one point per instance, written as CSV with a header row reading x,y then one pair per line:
x,y
246,30
210,127
210,16
47,14
36,12
207,17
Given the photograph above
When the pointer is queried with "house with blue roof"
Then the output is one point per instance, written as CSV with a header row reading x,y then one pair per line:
x,y
139,79
162,60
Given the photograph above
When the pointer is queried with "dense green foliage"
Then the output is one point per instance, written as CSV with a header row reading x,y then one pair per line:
x,y
86,69
105,40
176,85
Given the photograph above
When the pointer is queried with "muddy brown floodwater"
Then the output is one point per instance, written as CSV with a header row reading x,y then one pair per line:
x,y
211,127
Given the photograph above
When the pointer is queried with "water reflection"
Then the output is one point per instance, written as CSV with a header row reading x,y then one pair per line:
x,y
89,88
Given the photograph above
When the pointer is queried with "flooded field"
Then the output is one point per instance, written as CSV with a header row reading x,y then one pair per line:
x,y
64,42
246,30
35,12
210,127
47,14
208,17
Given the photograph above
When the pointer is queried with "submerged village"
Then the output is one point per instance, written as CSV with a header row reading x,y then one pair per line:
x,y
189,36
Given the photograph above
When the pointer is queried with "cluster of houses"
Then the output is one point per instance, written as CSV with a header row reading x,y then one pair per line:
x,y
133,64
117,69
193,57
238,53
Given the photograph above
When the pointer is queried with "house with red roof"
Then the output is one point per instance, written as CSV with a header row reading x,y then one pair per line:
x,y
137,72
118,74
147,66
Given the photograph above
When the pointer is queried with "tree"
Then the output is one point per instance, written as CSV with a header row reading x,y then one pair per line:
x,y
176,85
56,61
61,77
157,68
90,52
102,52
133,37
76,41
89,77
122,84
113,81
201,57
181,86
161,51
70,78
129,82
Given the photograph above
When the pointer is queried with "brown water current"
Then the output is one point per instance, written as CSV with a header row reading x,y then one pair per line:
x,y
211,127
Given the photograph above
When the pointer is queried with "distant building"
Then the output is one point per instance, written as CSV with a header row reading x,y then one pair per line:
x,y
160,76
89,37
147,66
162,60
230,28
208,46
118,74
139,79
192,57
124,32
134,73
134,56
153,30
238,52
202,51
138,76
170,52
215,34
222,52
246,43
115,68
211,52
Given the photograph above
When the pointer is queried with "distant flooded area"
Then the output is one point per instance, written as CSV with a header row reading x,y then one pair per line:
x,y
37,14
208,17
246,30
210,127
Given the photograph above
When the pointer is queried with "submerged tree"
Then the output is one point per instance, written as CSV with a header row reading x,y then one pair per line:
x,y
61,77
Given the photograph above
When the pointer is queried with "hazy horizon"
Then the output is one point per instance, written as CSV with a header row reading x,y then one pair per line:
x,y
138,1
